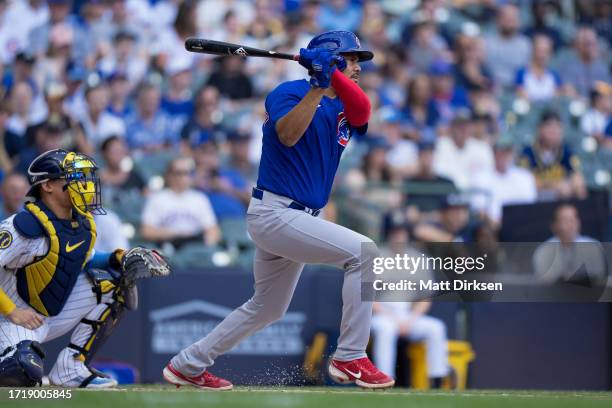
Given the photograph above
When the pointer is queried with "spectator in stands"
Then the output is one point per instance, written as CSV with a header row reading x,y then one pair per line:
x,y
178,213
426,46
470,70
75,103
123,57
460,157
49,136
124,21
226,189
230,79
446,95
594,121
374,181
569,256
587,66
55,94
11,144
339,15
120,88
507,49
15,186
542,13
420,111
118,175
402,153
204,123
239,160
394,76
11,35
536,81
426,188
177,102
484,127
59,12
22,71
453,224
393,320
550,159
506,184
91,32
20,97
147,127
170,40
97,121
52,64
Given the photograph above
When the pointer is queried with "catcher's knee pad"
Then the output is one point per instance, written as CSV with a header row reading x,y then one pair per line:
x,y
21,365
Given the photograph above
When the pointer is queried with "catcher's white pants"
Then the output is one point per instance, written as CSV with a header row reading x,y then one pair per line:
x,y
82,302
424,328
286,239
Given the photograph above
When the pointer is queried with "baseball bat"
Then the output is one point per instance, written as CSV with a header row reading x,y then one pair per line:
x,y
204,46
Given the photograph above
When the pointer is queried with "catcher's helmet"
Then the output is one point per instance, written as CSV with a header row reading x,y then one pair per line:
x,y
342,42
80,173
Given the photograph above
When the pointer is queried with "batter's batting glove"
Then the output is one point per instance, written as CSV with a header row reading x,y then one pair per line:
x,y
307,56
340,62
322,68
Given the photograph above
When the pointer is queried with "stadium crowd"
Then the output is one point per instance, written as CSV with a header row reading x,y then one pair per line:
x,y
476,104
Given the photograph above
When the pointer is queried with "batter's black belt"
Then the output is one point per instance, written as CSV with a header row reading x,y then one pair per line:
x,y
258,193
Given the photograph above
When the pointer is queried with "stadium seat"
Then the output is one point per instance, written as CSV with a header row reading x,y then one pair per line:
x,y
193,255
154,164
234,233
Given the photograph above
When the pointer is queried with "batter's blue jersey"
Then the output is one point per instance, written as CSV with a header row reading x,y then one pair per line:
x,y
304,172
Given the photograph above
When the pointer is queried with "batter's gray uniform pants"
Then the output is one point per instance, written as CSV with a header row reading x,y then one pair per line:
x,y
286,239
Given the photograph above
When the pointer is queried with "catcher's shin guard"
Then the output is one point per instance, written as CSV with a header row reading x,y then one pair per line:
x,y
102,326
119,296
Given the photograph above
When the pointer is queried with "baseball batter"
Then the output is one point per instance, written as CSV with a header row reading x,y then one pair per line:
x,y
308,126
52,281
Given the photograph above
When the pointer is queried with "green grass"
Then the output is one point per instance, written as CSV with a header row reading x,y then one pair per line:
x,y
313,397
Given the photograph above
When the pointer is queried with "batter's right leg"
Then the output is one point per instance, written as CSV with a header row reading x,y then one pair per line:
x,y
275,281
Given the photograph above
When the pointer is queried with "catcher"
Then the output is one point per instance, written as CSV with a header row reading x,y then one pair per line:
x,y
52,280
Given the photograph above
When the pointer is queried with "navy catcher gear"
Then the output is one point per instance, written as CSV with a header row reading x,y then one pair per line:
x,y
341,42
21,365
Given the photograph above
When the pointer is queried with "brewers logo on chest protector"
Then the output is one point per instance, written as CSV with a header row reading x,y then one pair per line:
x,y
46,283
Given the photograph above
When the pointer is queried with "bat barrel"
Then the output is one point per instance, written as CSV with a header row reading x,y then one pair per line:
x,y
204,46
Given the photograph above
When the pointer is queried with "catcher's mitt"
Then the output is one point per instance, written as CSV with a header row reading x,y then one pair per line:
x,y
139,262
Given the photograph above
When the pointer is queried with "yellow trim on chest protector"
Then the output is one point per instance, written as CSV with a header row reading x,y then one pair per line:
x,y
40,273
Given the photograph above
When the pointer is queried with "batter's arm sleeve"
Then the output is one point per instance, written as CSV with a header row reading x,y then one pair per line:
x,y
357,106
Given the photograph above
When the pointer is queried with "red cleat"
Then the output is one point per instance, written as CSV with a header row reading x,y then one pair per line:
x,y
361,371
205,381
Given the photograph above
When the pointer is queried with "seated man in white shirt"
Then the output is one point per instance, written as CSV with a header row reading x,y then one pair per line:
x,y
179,213
569,256
460,155
506,184
392,320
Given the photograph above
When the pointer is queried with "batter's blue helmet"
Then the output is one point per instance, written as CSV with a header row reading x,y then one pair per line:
x,y
342,42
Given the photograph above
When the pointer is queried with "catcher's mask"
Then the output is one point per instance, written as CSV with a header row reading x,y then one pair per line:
x,y
80,173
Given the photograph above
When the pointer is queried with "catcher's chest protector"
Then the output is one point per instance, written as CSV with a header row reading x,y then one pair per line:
x,y
46,283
